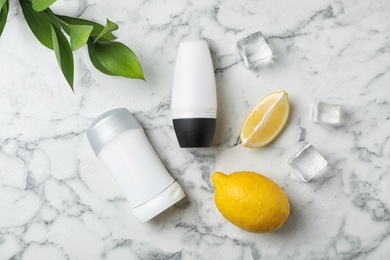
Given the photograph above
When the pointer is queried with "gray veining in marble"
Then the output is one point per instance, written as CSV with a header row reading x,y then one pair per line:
x,y
57,201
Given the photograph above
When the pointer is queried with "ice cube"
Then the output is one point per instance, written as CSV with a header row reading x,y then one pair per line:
x,y
307,162
253,49
325,113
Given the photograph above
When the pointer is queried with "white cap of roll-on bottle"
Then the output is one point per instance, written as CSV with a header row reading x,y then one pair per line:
x,y
194,95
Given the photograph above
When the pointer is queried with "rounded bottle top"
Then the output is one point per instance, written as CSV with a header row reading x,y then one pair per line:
x,y
194,90
109,125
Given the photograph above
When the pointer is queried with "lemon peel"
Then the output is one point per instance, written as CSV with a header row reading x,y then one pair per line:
x,y
251,201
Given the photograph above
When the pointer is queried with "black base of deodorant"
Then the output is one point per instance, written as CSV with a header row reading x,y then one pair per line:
x,y
195,132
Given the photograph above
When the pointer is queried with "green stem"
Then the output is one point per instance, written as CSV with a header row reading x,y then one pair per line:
x,y
53,15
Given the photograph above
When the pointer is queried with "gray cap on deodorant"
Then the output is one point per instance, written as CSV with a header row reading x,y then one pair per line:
x,y
109,125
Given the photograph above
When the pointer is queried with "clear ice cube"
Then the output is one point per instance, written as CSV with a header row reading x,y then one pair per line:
x,y
325,113
307,162
253,49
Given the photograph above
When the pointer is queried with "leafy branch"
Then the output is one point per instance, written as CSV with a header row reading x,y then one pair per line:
x,y
3,14
107,55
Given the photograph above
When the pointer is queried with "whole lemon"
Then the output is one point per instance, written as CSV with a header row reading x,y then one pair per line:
x,y
251,201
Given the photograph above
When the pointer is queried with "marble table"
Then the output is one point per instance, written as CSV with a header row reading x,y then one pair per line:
x,y
57,201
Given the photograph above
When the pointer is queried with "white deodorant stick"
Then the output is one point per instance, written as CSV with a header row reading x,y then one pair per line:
x,y
119,141
194,95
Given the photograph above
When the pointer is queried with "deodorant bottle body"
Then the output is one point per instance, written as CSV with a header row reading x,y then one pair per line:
x,y
194,95
119,141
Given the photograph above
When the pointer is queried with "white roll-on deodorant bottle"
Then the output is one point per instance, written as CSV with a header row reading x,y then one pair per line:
x,y
194,95
119,141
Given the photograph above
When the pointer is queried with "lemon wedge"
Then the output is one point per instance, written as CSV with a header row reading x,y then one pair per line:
x,y
266,120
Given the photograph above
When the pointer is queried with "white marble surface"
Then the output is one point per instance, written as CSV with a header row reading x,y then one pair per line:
x,y
58,202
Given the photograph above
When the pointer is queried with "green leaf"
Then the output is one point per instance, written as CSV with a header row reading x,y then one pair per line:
x,y
38,23
2,2
63,53
110,27
95,61
79,35
40,5
97,28
3,15
117,59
